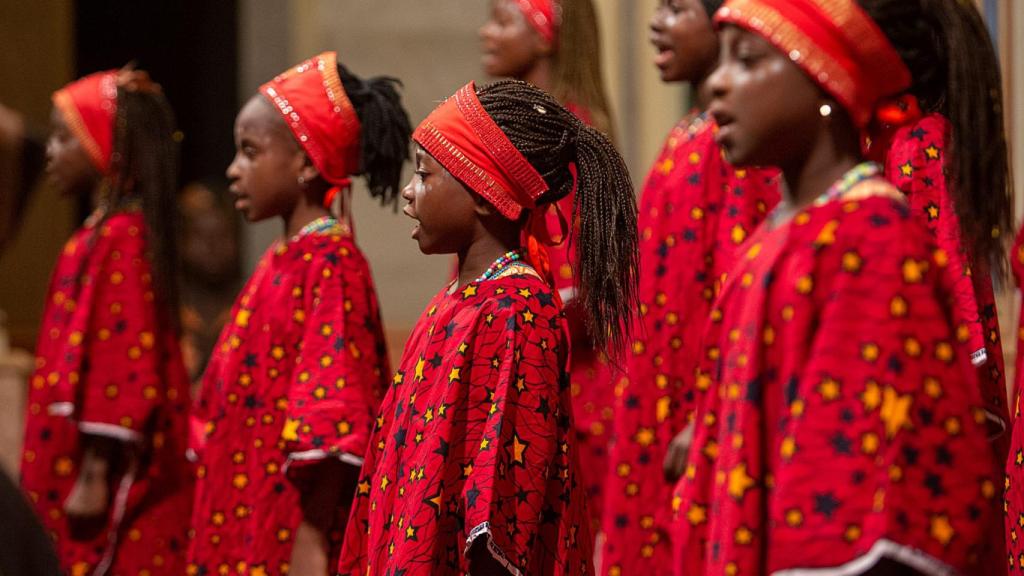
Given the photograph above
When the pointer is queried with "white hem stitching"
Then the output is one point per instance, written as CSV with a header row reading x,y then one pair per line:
x,y
910,557
109,431
484,529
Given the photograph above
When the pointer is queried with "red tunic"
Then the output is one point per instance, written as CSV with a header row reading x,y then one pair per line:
x,y
295,378
108,364
842,423
1014,482
474,440
916,164
695,210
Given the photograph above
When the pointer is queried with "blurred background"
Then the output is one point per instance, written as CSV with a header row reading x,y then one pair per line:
x,y
211,56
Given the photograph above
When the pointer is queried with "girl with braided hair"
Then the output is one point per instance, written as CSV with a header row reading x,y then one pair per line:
x,y
472,467
289,395
554,45
104,457
695,211
844,429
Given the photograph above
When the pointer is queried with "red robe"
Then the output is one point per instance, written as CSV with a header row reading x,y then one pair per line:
x,y
474,440
842,422
295,378
915,163
1014,482
108,364
695,210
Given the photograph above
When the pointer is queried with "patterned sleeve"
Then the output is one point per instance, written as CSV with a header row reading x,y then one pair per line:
x,y
334,391
889,405
121,370
521,463
916,164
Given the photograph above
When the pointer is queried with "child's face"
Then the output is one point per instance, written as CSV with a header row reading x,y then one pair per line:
x,y
682,32
511,47
67,164
766,108
444,210
268,161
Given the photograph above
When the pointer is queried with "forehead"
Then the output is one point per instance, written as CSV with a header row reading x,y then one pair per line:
x,y
258,118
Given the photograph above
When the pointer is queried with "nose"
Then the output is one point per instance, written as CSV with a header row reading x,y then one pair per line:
x,y
233,172
409,192
657,23
51,149
720,80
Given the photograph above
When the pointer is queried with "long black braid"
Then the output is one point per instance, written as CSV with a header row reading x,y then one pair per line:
x,y
956,73
605,237
145,165
385,132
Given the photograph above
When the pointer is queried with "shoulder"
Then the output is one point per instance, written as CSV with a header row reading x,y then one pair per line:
x,y
524,296
124,225
879,223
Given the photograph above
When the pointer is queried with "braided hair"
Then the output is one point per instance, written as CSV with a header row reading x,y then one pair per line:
x,y
956,73
144,164
385,132
550,138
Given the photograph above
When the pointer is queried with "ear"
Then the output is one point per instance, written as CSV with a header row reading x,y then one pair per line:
x,y
482,207
308,172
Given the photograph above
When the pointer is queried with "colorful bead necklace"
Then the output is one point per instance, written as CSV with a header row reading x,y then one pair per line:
x,y
321,224
499,265
854,176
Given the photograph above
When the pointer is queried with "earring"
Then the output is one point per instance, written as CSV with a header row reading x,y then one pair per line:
x,y
825,110
302,180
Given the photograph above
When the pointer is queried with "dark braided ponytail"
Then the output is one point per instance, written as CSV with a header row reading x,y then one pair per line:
x,y
956,73
605,235
385,132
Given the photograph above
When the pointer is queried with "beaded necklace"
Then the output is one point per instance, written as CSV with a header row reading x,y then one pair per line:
x,y
499,265
321,224
853,177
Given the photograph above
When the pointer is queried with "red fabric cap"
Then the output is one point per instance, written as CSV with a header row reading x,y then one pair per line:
x,y
313,103
88,106
465,140
835,42
543,15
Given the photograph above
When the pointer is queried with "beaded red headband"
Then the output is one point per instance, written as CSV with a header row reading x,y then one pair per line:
x,y
466,141
313,103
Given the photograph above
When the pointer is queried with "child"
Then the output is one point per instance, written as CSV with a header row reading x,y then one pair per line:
x,y
843,431
555,45
104,458
290,393
695,211
472,466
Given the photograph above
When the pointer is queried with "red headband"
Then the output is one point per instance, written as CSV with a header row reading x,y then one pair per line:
x,y
544,15
88,107
320,115
835,42
465,140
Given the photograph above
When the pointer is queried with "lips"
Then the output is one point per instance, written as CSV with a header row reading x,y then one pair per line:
x,y
665,52
407,210
725,121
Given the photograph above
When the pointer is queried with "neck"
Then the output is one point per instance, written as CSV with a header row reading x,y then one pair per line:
x,y
480,254
702,90
811,174
540,75
302,214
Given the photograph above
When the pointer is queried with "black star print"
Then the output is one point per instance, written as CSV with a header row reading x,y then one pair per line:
x,y
250,361
435,361
504,302
841,443
934,484
545,298
442,448
471,495
826,504
544,409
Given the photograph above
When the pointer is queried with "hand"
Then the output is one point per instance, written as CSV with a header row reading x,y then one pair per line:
x,y
88,504
309,552
677,453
